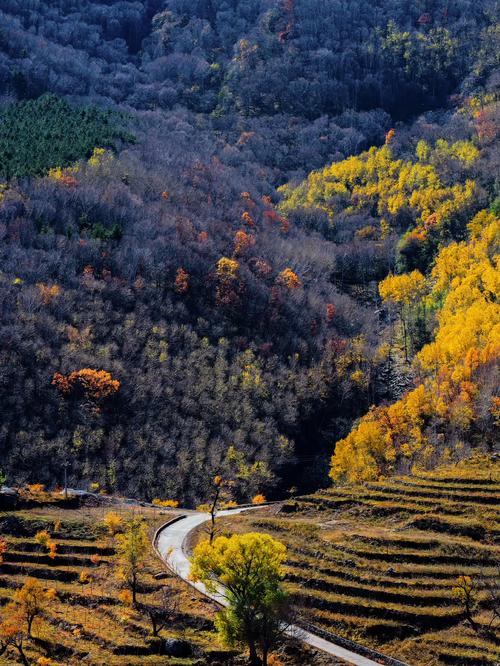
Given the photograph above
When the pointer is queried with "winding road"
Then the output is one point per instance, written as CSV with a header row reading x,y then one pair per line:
x,y
170,542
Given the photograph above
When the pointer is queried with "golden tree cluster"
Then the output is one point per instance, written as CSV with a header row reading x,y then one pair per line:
x,y
456,394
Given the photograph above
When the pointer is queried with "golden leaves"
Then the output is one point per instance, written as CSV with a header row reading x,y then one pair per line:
x,y
403,289
289,279
465,283
97,385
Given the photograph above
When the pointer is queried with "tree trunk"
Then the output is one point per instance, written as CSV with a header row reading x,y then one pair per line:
x,y
30,625
213,511
22,655
134,589
254,657
212,527
405,337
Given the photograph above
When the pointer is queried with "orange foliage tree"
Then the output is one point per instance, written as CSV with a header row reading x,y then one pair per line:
x,y
48,293
181,281
3,548
12,634
258,499
28,603
242,242
96,385
289,279
248,219
330,312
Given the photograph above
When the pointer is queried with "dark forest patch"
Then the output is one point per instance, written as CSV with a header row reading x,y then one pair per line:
x,y
48,132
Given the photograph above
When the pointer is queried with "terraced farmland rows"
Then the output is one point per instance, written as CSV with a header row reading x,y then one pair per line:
x,y
379,562
88,623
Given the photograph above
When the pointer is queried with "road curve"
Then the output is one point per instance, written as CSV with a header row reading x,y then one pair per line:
x,y
170,543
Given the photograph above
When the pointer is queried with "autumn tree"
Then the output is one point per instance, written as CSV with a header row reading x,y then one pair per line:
x,y
480,600
248,571
248,219
258,499
289,279
48,292
227,268
242,242
227,280
181,281
330,312
3,548
12,633
465,590
407,293
132,548
113,523
43,538
166,503
164,610
28,603
95,386
214,504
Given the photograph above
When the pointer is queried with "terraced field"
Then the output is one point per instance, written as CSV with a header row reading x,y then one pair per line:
x,y
379,562
89,622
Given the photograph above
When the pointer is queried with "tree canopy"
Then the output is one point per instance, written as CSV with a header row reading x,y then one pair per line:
x,y
249,567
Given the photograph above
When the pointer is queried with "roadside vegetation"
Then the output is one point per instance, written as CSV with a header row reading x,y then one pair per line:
x,y
409,565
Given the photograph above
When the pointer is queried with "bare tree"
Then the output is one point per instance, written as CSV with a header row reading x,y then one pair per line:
x,y
164,611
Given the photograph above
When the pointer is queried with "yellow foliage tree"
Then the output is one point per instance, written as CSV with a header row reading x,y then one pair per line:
x,y
227,268
30,602
289,279
394,189
132,549
457,369
250,569
113,523
100,157
227,274
407,293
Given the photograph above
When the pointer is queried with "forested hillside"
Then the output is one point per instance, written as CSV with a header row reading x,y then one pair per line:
x,y
198,201
443,299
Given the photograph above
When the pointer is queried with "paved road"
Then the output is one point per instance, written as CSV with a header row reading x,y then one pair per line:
x,y
171,546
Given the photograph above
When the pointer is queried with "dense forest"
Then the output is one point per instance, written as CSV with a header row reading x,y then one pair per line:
x,y
232,231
